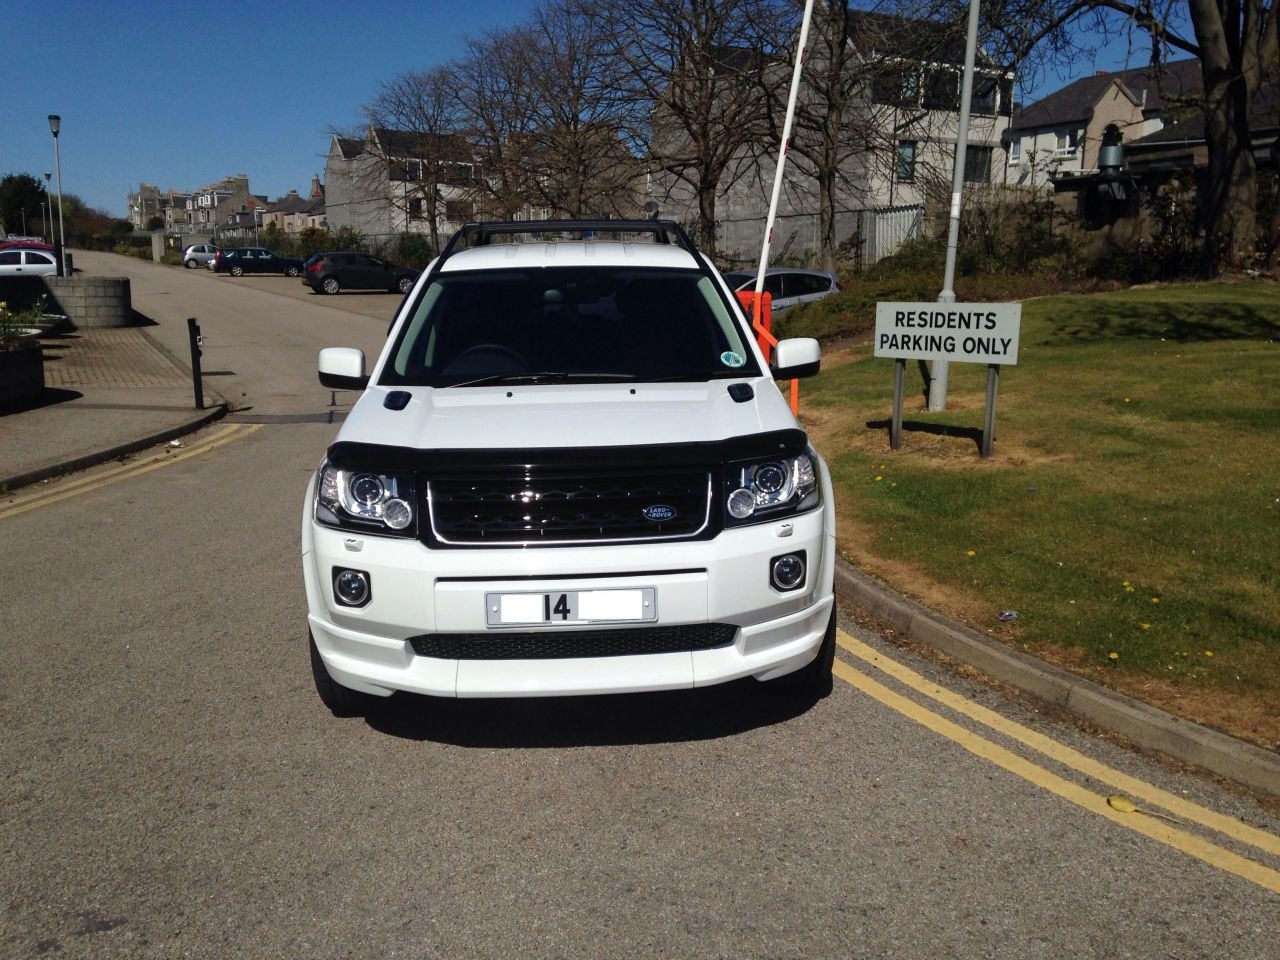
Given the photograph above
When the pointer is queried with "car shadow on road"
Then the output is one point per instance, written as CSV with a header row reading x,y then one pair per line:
x,y
667,717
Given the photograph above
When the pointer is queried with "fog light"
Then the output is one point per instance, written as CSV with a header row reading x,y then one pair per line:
x,y
351,587
397,514
787,571
742,503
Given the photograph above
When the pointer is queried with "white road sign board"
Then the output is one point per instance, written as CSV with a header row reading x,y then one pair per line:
x,y
962,332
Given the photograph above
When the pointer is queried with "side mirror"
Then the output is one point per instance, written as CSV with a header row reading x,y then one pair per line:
x,y
796,358
342,368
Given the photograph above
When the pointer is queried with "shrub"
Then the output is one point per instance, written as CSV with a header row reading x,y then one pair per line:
x,y
413,250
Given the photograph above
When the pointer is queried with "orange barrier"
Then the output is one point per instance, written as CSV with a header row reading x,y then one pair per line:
x,y
761,321
762,324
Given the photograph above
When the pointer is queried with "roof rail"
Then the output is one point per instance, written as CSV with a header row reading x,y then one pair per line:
x,y
478,234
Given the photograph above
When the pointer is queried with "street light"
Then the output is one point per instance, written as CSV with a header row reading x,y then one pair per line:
x,y
55,124
44,220
49,198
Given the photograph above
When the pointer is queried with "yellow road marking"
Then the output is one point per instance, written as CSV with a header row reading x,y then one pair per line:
x,y
102,478
1158,830
1131,786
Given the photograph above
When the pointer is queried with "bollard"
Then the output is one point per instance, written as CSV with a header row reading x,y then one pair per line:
x,y
193,334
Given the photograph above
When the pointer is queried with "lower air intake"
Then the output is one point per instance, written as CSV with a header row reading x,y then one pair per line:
x,y
565,644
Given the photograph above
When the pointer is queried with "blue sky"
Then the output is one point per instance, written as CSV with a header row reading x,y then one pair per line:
x,y
183,94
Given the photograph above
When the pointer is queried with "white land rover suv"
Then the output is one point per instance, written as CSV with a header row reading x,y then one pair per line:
x,y
570,472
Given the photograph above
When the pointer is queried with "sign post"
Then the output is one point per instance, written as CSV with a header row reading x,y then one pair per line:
x,y
962,332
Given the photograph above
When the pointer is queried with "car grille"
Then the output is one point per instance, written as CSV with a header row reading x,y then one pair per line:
x,y
568,508
566,643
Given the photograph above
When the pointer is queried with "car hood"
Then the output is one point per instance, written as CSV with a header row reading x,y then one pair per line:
x,y
565,415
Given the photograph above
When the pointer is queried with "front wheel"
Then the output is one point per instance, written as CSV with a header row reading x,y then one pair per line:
x,y
292,271
330,285
237,271
406,284
813,681
189,264
341,701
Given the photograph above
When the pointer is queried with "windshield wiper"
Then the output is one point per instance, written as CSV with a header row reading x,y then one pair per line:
x,y
698,376
544,376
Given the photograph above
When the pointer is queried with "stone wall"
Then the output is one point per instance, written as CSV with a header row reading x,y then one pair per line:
x,y
85,301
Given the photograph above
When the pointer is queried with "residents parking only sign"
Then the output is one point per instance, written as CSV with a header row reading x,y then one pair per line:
x,y
960,332
945,332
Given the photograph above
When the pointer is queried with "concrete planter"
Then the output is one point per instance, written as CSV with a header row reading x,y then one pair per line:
x,y
21,370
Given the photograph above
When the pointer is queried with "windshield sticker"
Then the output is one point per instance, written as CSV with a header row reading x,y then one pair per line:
x,y
731,359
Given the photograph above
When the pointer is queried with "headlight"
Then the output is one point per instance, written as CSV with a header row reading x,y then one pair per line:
x,y
371,502
765,489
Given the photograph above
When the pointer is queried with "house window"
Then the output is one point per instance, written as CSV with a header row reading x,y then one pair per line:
x,y
983,101
942,90
904,170
1015,150
415,208
977,164
898,85
457,211
1066,143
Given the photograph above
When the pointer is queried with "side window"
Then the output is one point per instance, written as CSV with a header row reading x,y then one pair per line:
x,y
10,258
802,284
38,258
773,285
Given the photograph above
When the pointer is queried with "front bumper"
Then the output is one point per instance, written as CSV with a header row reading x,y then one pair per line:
x,y
417,591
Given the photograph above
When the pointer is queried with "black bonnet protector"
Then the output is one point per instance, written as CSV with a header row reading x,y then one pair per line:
x,y
380,458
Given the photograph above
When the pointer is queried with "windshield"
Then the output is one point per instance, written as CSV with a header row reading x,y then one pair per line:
x,y
580,324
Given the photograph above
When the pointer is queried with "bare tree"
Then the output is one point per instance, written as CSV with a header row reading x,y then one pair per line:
x,y
416,120
581,123
492,83
697,66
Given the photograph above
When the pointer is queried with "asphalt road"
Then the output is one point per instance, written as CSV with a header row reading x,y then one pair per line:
x,y
174,788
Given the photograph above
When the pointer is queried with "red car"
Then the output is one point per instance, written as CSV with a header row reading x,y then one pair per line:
x,y
26,244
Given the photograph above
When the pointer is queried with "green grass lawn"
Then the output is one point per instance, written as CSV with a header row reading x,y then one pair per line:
x,y
1130,514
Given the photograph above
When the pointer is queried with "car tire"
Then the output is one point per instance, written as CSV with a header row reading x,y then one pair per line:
x,y
330,285
189,264
341,701
237,271
812,681
406,284
292,271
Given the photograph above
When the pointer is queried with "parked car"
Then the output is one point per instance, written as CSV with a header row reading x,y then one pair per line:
x,y
241,260
25,243
25,262
568,473
199,255
787,286
352,270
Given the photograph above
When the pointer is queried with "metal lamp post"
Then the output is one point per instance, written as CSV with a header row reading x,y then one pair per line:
x,y
48,196
55,124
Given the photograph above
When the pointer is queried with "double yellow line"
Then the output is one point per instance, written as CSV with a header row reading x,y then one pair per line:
x,y
1149,824
97,479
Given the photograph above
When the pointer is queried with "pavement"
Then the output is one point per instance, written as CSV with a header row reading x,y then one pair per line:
x,y
111,392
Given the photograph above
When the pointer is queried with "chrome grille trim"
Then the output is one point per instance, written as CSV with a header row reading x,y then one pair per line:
x,y
506,536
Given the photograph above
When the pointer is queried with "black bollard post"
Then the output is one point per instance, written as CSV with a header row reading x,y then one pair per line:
x,y
193,334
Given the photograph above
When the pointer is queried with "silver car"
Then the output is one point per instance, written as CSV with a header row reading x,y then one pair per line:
x,y
198,255
787,286
24,262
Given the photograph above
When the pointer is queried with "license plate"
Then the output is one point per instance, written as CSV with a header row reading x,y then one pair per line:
x,y
570,607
